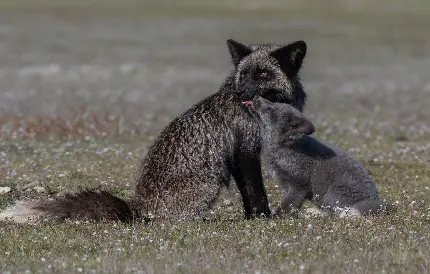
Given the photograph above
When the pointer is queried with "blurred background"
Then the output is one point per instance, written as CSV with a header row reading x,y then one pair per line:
x,y
367,71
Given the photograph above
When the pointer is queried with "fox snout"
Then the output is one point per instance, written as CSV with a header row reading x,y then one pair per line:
x,y
248,94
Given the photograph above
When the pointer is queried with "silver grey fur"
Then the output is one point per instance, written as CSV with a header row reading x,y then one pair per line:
x,y
270,71
309,169
200,150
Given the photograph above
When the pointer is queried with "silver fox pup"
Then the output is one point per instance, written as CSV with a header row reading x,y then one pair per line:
x,y
198,152
309,169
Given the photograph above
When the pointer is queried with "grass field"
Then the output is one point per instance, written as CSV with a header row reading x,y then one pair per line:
x,y
85,86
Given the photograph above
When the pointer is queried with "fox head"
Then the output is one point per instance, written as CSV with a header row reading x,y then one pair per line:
x,y
269,71
282,122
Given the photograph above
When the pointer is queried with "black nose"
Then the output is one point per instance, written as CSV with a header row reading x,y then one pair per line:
x,y
310,129
247,92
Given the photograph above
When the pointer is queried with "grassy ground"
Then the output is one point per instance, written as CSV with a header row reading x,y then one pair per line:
x,y
394,244
85,87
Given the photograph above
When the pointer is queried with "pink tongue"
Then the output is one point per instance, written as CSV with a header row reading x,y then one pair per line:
x,y
247,103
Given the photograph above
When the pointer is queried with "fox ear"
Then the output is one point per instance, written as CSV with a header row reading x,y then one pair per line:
x,y
301,125
237,51
290,57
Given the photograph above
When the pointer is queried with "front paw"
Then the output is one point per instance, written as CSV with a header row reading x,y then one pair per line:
x,y
259,215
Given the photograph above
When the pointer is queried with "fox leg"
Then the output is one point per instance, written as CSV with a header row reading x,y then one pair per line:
x,y
249,179
293,200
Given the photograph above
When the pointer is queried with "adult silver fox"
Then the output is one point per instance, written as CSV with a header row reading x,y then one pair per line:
x,y
198,151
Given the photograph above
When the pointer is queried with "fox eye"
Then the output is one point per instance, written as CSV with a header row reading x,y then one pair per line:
x,y
264,75
243,75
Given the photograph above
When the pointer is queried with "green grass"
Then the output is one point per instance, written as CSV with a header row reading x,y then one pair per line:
x,y
397,243
391,244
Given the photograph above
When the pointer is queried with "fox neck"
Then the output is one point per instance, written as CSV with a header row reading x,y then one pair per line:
x,y
269,139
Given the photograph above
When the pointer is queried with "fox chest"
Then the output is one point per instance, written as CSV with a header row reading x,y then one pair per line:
x,y
290,168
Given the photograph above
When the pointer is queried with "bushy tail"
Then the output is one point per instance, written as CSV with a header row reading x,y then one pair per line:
x,y
86,205
369,207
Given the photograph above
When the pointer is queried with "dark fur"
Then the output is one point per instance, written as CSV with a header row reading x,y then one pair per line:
x,y
309,169
89,205
198,151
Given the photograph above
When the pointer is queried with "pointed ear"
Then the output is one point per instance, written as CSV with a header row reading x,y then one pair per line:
x,y
237,51
301,125
290,57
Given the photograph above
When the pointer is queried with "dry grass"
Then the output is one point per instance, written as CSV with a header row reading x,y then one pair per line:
x,y
75,123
